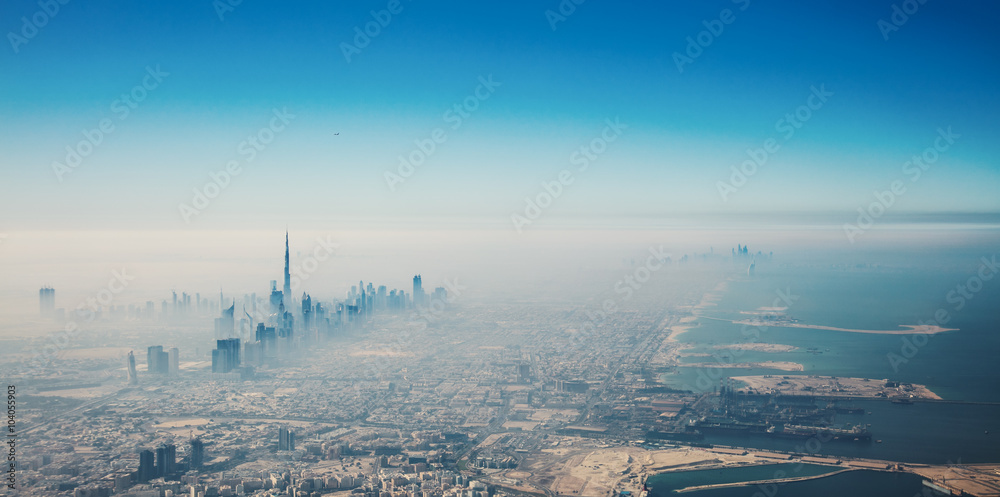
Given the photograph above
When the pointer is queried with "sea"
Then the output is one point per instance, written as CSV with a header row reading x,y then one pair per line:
x,y
960,366
860,483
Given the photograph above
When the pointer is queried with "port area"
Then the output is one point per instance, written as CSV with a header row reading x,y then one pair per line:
x,y
587,467
832,386
982,480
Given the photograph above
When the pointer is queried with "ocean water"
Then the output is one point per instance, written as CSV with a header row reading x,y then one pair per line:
x,y
853,483
927,433
667,483
957,365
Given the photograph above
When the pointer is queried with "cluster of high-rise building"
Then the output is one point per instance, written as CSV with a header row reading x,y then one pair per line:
x,y
47,301
164,464
741,252
160,362
180,307
257,333
288,324
226,356
286,439
281,310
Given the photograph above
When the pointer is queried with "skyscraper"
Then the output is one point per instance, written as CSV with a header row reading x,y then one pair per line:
x,y
307,310
219,361
157,361
287,293
441,294
276,298
197,453
132,376
147,470
360,301
286,439
173,361
225,324
226,355
418,291
166,459
47,301
381,297
267,336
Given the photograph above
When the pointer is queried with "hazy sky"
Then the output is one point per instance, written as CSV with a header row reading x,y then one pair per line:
x,y
220,81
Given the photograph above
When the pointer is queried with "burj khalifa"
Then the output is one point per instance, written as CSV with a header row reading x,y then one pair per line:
x,y
287,291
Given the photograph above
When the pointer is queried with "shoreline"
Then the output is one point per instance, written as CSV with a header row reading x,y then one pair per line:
x,y
914,329
589,468
779,481
779,365
685,325
829,386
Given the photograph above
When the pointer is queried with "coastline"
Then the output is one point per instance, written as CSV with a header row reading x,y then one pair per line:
x,y
779,365
594,471
766,482
914,329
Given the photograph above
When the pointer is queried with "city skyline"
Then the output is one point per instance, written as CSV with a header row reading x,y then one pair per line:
x,y
181,304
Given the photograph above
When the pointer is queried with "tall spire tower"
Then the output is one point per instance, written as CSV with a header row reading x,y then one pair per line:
x,y
287,298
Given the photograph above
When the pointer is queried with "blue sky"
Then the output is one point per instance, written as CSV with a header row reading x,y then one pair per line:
x,y
606,60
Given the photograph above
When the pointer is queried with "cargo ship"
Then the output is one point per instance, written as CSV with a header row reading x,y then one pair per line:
x,y
680,436
855,434
732,428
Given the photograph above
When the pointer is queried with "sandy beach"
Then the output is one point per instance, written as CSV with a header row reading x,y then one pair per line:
x,y
781,365
910,329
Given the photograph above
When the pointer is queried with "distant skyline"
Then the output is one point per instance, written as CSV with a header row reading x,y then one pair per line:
x,y
211,83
